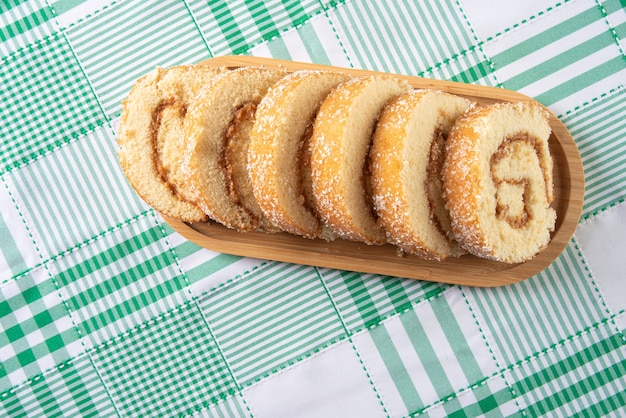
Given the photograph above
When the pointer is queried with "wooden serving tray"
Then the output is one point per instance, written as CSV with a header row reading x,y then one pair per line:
x,y
348,255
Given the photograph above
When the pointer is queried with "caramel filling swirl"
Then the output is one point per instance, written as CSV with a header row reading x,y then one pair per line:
x,y
515,167
166,123
434,183
303,162
234,158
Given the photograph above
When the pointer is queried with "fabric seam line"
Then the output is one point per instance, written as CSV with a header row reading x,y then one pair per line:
x,y
479,44
315,352
194,300
354,348
200,32
78,246
594,214
616,37
592,101
610,316
527,21
501,370
335,32
517,364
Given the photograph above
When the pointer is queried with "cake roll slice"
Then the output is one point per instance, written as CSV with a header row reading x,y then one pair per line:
x,y
407,156
151,126
498,181
279,156
215,160
340,145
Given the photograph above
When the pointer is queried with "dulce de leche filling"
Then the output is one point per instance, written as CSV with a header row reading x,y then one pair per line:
x,y
434,183
235,158
303,164
513,190
167,122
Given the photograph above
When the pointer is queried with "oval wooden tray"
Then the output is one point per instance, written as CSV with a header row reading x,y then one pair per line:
x,y
347,255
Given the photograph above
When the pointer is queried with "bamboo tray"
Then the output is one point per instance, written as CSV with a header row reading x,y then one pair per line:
x,y
347,255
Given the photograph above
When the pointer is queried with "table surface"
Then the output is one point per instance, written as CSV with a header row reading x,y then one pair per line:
x,y
107,311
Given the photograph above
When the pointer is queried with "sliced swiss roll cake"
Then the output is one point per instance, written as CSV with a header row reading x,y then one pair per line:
x,y
340,144
406,158
279,157
498,181
218,137
151,128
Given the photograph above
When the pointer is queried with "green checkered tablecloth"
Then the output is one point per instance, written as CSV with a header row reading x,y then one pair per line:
x,y
106,311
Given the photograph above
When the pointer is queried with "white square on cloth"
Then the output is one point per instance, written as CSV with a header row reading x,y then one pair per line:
x,y
330,384
602,242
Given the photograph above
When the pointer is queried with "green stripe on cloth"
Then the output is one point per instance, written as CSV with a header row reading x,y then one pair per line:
x,y
120,281
468,67
35,328
262,19
363,300
10,251
281,311
90,205
559,61
397,370
397,295
227,24
63,6
234,28
571,378
458,341
232,406
427,354
553,68
547,37
481,401
600,133
300,44
606,406
128,40
577,83
473,74
370,29
278,49
424,357
313,44
201,271
25,24
110,255
8,5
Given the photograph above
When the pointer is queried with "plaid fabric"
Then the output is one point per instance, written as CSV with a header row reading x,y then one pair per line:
x,y
106,311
